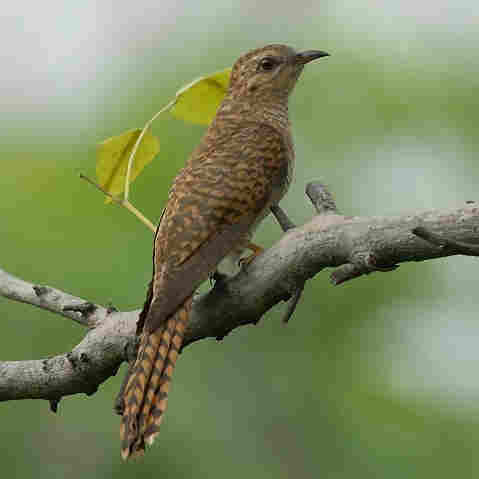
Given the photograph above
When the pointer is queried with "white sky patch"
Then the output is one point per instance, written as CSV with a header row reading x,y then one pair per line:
x,y
408,173
432,352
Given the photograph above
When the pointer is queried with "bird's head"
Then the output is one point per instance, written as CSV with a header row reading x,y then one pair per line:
x,y
269,72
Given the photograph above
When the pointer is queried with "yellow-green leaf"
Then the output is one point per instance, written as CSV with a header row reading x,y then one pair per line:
x,y
113,155
198,101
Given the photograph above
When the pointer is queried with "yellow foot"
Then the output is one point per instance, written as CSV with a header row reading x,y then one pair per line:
x,y
257,250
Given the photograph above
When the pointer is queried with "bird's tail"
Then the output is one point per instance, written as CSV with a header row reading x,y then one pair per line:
x,y
146,393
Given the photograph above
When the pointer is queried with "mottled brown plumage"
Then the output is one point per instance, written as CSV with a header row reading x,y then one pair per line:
x,y
242,166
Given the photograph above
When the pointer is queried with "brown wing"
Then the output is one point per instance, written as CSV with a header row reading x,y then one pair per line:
x,y
212,205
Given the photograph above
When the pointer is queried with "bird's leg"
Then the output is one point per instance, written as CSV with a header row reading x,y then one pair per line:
x,y
231,265
256,251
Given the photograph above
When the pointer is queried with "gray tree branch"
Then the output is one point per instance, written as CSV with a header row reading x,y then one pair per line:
x,y
352,245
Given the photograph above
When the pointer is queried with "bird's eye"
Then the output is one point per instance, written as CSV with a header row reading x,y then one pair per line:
x,y
267,64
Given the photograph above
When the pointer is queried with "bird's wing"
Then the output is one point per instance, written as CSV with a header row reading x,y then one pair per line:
x,y
211,207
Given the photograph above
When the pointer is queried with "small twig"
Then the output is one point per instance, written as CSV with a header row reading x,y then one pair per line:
x,y
446,244
363,264
282,218
286,224
125,203
292,303
324,204
98,187
321,198
48,298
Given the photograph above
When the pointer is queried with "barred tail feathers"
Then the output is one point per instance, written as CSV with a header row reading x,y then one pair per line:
x,y
146,394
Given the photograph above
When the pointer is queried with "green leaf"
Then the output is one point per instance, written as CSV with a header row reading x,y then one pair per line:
x,y
113,155
198,101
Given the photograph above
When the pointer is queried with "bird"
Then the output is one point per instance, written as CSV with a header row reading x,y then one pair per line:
x,y
242,166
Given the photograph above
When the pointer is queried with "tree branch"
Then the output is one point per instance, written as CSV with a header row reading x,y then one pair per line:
x,y
51,299
353,245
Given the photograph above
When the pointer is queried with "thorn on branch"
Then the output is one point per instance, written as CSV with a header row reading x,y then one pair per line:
x,y
54,404
446,244
321,198
292,303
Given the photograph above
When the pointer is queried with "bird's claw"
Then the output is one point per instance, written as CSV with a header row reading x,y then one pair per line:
x,y
247,260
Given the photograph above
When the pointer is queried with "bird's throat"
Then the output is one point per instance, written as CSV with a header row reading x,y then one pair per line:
x,y
274,114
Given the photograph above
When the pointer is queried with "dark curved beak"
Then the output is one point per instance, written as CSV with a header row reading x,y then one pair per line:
x,y
309,55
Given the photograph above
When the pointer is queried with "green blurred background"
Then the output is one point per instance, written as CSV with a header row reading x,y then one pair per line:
x,y
388,384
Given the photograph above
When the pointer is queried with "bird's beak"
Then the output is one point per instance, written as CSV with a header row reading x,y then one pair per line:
x,y
310,55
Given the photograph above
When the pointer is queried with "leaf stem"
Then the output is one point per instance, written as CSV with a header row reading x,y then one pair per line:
x,y
137,144
122,202
126,204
